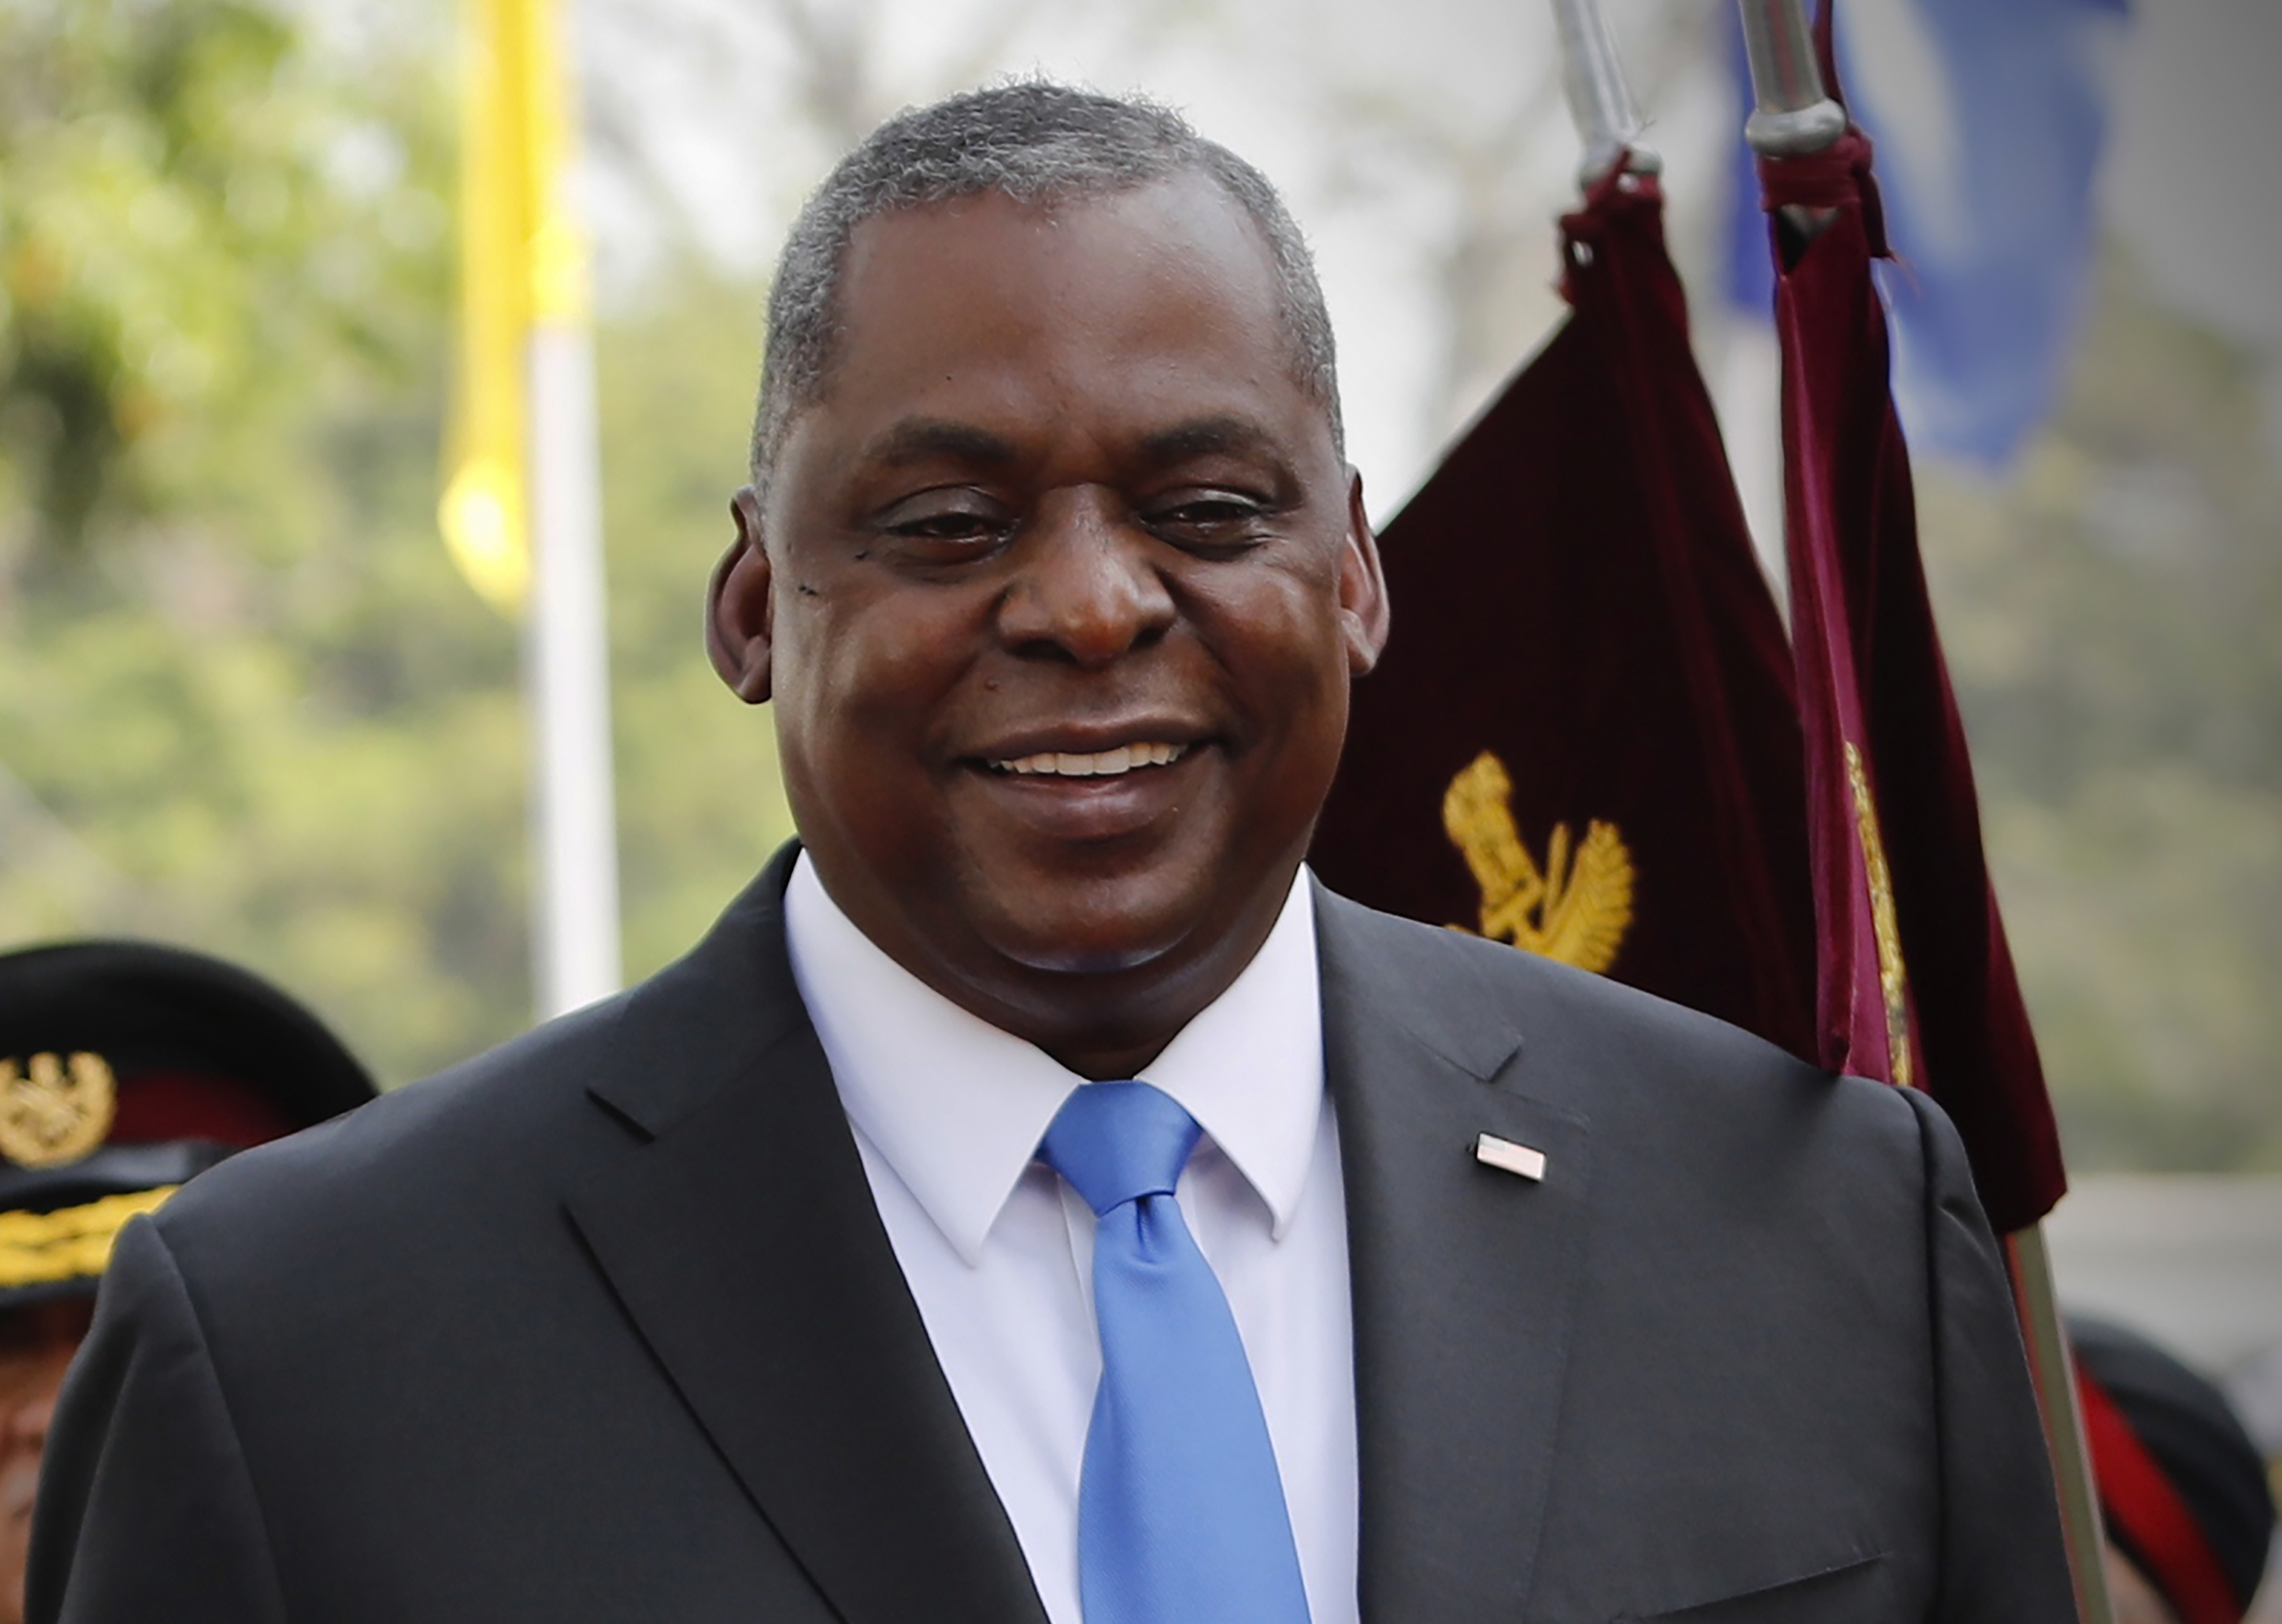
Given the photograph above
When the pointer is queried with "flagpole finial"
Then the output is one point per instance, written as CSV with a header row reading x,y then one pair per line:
x,y
1794,115
1600,100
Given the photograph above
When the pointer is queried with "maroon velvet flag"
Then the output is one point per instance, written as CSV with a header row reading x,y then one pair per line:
x,y
1582,739
1916,982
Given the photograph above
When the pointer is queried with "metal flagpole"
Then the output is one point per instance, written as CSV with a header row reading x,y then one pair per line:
x,y
1600,100
1795,116
2052,1368
575,935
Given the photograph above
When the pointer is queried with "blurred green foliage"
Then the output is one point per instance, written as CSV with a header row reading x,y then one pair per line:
x,y
2113,616
699,802
246,702
194,213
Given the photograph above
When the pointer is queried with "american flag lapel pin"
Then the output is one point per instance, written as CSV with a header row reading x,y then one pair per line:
x,y
1522,1161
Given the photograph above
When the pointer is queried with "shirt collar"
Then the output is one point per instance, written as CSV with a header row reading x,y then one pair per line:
x,y
957,1107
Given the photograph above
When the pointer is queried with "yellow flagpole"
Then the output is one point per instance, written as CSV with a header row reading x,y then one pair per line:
x,y
521,508
485,514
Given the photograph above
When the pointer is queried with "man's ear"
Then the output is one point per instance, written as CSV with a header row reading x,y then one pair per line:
x,y
740,606
1362,586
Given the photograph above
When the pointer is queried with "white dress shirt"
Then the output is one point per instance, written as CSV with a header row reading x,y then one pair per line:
x,y
948,1113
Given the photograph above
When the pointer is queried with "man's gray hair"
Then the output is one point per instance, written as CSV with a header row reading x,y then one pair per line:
x,y
1038,143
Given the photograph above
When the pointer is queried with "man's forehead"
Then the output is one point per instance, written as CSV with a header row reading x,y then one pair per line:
x,y
1188,208
1158,303
1169,286
918,438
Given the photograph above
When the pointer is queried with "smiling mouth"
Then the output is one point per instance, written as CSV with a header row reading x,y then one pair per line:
x,y
1093,764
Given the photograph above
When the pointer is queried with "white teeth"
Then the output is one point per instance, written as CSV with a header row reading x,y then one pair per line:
x,y
1103,763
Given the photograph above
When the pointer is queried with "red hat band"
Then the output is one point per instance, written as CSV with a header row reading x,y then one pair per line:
x,y
2146,1511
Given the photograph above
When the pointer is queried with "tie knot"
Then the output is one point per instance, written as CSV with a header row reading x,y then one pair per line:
x,y
1116,1142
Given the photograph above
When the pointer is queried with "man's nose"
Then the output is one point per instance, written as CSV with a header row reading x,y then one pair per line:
x,y
1087,587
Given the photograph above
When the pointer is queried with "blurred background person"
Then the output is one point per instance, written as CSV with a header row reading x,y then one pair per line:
x,y
126,1067
2182,1489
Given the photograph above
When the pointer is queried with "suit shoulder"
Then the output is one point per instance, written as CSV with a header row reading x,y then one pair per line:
x,y
1429,966
504,1119
1591,1042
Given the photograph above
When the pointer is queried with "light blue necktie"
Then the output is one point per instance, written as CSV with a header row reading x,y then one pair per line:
x,y
1180,1517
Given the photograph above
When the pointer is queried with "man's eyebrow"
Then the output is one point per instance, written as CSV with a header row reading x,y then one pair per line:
x,y
920,439
1207,437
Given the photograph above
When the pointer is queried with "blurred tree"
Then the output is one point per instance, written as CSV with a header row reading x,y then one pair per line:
x,y
231,665
1505,167
195,214
246,702
2111,619
699,797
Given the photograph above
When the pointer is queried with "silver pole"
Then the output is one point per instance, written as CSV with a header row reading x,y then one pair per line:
x,y
2052,1369
1794,115
575,892
1600,101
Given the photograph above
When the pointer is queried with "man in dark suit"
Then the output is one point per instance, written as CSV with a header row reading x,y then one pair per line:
x,y
1428,1280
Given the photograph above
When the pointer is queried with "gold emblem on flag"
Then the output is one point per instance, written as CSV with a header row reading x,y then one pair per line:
x,y
53,1110
1576,908
1893,980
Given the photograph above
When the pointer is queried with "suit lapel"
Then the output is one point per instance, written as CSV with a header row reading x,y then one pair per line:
x,y
1465,1276
743,1241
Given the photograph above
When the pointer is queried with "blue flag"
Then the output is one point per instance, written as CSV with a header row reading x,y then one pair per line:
x,y
1989,117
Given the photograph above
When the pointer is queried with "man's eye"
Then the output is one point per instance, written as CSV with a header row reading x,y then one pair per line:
x,y
948,527
1222,517
931,532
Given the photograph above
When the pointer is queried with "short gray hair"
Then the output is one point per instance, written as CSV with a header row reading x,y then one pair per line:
x,y
1036,142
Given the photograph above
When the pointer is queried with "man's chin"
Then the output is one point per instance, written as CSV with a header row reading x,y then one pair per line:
x,y
1098,912
1100,949
1127,938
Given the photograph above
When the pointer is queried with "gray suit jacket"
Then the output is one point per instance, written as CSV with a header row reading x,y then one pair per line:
x,y
604,1326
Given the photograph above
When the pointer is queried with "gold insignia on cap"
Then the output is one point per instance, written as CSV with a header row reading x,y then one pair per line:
x,y
72,1244
1578,911
54,1110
